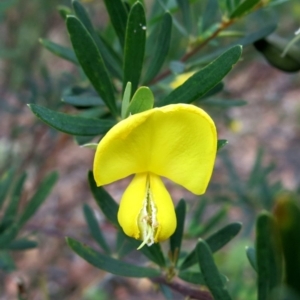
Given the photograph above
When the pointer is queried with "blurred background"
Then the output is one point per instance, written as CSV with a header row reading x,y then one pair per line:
x,y
261,159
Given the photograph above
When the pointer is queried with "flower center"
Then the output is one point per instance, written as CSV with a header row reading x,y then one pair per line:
x,y
147,219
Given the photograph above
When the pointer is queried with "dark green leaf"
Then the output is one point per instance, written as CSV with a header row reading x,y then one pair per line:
x,y
107,204
5,183
64,11
126,100
223,103
209,14
176,238
134,46
91,61
11,211
205,79
142,100
71,124
124,244
210,272
192,277
110,58
251,255
94,228
83,101
161,49
118,17
22,244
268,261
272,51
7,236
39,197
215,241
243,8
109,264
6,262
221,144
184,7
58,50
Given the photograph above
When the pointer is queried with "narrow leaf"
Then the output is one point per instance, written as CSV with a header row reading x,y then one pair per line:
x,y
161,48
126,100
94,228
38,198
22,244
251,255
215,241
184,7
107,204
134,46
221,144
205,79
58,50
124,245
91,61
5,183
176,238
8,235
210,272
110,58
10,214
118,17
142,100
244,7
268,262
83,101
192,277
71,124
109,264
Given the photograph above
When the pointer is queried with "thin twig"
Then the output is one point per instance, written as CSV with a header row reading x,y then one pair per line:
x,y
184,289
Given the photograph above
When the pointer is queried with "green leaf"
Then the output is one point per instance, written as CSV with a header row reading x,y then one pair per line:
x,y
251,255
94,228
7,263
215,241
91,61
268,261
22,244
176,238
243,8
83,101
287,214
71,124
110,58
107,204
272,50
124,244
5,183
126,100
11,211
210,14
223,103
8,235
184,7
142,100
221,144
109,264
134,50
58,50
39,197
64,11
210,272
118,17
192,277
205,79
161,48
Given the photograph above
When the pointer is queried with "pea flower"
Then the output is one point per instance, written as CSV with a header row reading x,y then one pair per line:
x,y
177,141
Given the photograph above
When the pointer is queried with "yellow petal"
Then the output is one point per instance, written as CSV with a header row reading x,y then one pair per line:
x,y
146,210
176,141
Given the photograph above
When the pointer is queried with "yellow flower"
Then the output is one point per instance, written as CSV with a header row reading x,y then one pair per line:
x,y
178,142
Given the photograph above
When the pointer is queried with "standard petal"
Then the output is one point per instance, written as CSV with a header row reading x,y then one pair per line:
x,y
165,212
131,205
176,141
